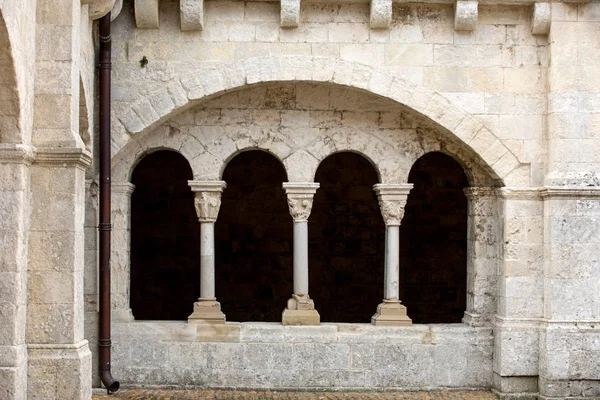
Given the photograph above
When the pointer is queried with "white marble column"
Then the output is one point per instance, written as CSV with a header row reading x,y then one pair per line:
x,y
392,199
300,308
207,203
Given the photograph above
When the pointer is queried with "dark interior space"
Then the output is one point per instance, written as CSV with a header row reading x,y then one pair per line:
x,y
346,239
253,240
433,241
165,266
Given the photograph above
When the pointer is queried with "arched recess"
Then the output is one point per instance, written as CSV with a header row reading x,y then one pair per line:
x,y
165,269
433,241
207,82
347,240
253,240
9,95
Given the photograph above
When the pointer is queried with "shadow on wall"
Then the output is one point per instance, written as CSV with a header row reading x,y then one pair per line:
x,y
165,239
433,241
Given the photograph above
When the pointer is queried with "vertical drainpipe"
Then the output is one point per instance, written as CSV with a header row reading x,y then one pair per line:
x,y
104,226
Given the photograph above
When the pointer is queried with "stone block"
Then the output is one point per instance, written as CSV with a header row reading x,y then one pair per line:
x,y
56,372
300,317
192,15
146,14
465,15
381,14
290,13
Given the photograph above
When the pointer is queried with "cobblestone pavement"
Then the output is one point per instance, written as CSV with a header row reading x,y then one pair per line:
x,y
269,395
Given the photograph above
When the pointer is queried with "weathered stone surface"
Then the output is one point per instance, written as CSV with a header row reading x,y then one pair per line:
x,y
338,356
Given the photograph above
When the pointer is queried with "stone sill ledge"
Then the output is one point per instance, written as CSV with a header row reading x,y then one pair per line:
x,y
175,331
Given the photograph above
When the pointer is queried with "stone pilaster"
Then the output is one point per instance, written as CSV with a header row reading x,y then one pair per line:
x,y
15,161
570,330
392,200
300,309
520,295
121,251
59,356
207,203
484,237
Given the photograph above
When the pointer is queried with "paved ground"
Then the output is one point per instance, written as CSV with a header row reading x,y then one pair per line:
x,y
268,395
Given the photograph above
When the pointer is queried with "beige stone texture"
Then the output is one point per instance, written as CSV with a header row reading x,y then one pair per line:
x,y
508,88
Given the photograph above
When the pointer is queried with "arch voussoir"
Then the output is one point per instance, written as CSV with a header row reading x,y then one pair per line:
x,y
218,78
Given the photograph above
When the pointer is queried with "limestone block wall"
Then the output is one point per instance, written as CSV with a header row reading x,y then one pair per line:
x,y
17,34
497,72
337,357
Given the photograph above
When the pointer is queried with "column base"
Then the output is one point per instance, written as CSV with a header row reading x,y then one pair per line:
x,y
207,310
391,313
473,319
300,311
59,371
120,315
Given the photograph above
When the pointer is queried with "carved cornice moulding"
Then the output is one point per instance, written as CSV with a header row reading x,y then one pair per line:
x,y
573,192
516,193
77,157
17,154
465,12
475,192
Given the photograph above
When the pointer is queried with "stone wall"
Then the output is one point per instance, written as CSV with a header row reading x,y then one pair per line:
x,y
336,357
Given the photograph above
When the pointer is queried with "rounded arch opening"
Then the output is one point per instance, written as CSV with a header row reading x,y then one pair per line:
x,y
346,239
253,239
433,241
165,237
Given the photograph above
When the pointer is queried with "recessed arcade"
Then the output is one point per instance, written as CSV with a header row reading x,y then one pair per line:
x,y
290,182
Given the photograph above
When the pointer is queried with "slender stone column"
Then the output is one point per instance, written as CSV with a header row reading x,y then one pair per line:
x,y
392,199
207,203
300,308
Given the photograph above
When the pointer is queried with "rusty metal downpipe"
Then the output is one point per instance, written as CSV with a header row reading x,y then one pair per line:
x,y
104,227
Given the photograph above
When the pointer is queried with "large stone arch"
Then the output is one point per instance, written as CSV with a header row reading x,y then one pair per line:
x,y
10,131
216,79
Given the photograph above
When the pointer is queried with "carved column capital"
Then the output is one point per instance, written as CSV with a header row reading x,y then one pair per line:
x,y
300,199
208,199
392,199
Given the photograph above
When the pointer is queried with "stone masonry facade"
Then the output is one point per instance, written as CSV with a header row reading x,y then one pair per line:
x,y
510,89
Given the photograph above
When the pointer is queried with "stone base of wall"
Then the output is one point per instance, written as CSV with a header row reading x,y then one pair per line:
x,y
13,372
59,371
272,356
